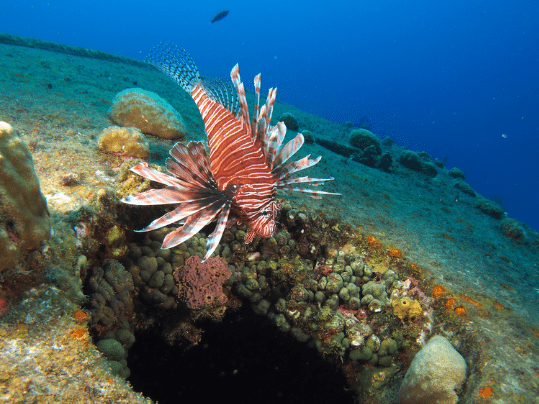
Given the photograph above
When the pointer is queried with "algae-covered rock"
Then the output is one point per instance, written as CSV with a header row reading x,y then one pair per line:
x,y
411,160
363,138
435,375
290,121
490,208
512,228
457,173
129,141
148,112
24,217
465,187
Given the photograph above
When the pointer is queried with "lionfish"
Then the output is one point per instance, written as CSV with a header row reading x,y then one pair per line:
x,y
245,167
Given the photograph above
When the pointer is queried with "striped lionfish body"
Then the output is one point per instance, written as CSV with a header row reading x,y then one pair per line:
x,y
245,167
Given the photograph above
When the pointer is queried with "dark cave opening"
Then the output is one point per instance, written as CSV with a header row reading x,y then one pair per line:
x,y
243,358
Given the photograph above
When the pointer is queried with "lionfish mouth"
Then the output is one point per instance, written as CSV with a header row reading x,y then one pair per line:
x,y
247,160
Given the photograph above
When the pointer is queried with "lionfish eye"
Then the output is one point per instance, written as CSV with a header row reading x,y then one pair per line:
x,y
265,213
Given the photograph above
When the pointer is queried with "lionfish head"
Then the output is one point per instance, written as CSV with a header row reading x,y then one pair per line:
x,y
263,221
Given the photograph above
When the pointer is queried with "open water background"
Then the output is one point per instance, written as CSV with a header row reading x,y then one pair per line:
x,y
457,79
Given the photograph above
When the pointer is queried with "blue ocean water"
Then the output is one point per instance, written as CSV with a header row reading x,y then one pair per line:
x,y
457,79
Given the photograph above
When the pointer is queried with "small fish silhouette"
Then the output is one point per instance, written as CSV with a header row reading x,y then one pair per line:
x,y
220,15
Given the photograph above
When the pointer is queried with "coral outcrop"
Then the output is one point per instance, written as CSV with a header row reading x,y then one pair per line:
x,y
437,372
111,306
24,217
129,141
148,112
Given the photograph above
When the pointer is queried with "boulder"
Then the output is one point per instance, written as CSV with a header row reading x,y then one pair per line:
x,y
135,107
435,376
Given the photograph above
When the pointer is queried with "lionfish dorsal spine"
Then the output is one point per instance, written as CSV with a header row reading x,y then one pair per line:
x,y
255,125
240,89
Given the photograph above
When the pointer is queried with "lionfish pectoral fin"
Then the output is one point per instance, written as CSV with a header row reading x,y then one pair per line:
x,y
193,224
165,196
215,237
288,150
250,236
275,140
314,194
284,170
145,171
181,212
302,180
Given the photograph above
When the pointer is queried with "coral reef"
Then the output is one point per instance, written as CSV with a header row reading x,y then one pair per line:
x,y
24,217
128,141
437,372
148,112
329,297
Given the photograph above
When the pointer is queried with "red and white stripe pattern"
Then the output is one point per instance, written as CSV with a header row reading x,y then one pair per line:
x,y
245,167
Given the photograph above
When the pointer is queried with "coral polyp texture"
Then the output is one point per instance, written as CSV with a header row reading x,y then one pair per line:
x,y
24,217
202,283
148,112
128,141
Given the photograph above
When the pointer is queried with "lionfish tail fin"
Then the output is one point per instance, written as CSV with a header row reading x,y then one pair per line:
x,y
176,63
